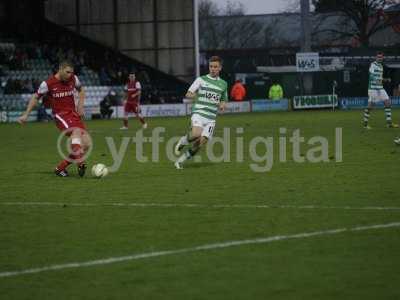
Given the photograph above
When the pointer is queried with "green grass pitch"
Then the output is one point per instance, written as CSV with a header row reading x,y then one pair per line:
x,y
229,201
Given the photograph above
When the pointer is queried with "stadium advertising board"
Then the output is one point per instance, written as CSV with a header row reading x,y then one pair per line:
x,y
164,110
118,112
269,105
237,107
91,110
3,116
316,101
154,110
395,101
362,102
307,62
353,103
12,116
230,108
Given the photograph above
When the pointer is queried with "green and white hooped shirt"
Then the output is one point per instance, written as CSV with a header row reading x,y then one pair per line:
x,y
210,92
375,76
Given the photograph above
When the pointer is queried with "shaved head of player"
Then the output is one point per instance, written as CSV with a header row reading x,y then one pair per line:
x,y
65,71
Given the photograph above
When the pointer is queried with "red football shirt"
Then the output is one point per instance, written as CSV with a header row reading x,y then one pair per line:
x,y
60,93
132,88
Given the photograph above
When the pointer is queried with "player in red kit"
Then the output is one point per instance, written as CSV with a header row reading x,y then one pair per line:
x,y
132,102
59,89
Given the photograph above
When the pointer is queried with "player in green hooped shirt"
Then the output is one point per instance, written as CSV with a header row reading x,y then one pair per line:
x,y
376,92
210,93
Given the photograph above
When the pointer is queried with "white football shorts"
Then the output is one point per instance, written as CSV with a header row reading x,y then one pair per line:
x,y
375,96
207,125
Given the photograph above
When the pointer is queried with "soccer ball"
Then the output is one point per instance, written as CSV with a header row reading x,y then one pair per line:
x,y
99,170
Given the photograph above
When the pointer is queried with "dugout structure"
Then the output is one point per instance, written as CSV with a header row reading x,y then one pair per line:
x,y
159,33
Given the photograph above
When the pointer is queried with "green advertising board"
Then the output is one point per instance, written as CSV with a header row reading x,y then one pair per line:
x,y
315,101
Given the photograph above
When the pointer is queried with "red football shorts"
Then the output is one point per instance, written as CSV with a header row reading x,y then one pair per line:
x,y
65,121
131,107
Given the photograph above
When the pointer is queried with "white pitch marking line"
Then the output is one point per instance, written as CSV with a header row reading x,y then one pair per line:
x,y
222,245
194,205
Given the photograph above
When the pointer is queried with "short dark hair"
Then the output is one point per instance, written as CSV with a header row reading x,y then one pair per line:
x,y
65,63
215,59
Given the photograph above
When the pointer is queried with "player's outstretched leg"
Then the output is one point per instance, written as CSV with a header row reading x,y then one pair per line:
x,y
78,149
82,169
125,122
190,152
388,114
141,120
184,141
366,117
61,169
86,144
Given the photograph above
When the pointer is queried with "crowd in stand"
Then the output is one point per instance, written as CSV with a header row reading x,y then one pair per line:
x,y
15,59
111,69
16,86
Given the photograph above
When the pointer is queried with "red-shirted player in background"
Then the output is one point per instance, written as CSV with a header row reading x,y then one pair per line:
x,y
59,89
132,102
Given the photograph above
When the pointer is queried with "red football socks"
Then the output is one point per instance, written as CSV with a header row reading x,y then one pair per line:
x,y
63,165
77,153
